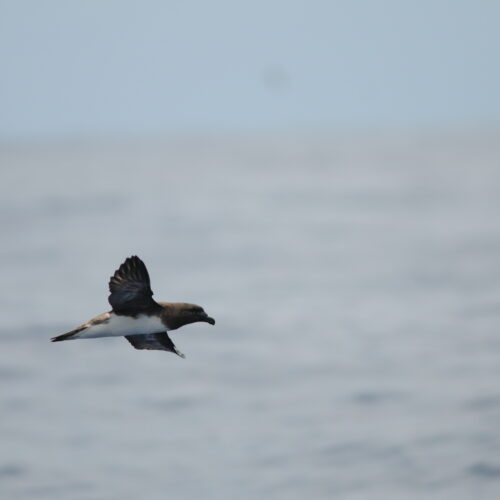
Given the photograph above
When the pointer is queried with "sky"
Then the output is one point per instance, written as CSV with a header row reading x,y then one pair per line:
x,y
121,67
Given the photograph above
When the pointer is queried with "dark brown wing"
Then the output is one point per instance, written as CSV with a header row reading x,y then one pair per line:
x,y
130,289
154,341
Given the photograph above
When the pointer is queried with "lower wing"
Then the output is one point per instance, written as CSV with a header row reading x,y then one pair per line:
x,y
154,341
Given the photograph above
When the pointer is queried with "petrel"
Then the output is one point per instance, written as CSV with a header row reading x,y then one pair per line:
x,y
135,315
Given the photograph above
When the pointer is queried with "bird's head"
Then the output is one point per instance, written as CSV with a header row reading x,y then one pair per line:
x,y
178,314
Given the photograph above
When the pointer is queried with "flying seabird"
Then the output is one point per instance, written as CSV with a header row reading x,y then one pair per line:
x,y
135,315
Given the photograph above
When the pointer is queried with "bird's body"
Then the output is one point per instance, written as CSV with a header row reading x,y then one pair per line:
x,y
110,324
135,315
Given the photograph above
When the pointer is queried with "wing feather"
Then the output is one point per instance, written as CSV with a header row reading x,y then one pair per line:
x,y
130,288
154,341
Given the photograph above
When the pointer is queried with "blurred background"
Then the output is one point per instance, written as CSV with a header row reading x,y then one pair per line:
x,y
323,178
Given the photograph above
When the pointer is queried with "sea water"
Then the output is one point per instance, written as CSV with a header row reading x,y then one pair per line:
x,y
355,281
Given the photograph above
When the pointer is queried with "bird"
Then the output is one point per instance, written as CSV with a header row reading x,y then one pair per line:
x,y
135,315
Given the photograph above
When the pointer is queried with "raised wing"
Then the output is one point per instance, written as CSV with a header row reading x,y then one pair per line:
x,y
154,341
130,288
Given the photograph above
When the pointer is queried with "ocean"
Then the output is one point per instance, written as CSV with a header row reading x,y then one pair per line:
x,y
355,281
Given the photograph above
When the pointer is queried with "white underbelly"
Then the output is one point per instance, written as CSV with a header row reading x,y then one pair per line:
x,y
117,326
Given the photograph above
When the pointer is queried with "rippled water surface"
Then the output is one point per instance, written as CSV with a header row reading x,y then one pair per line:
x,y
356,286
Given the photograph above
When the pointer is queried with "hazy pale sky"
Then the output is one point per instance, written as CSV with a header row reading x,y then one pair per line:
x,y
107,67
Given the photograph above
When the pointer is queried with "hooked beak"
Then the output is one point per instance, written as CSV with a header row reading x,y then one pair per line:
x,y
208,319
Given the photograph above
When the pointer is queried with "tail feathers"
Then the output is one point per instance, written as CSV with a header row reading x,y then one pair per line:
x,y
67,336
